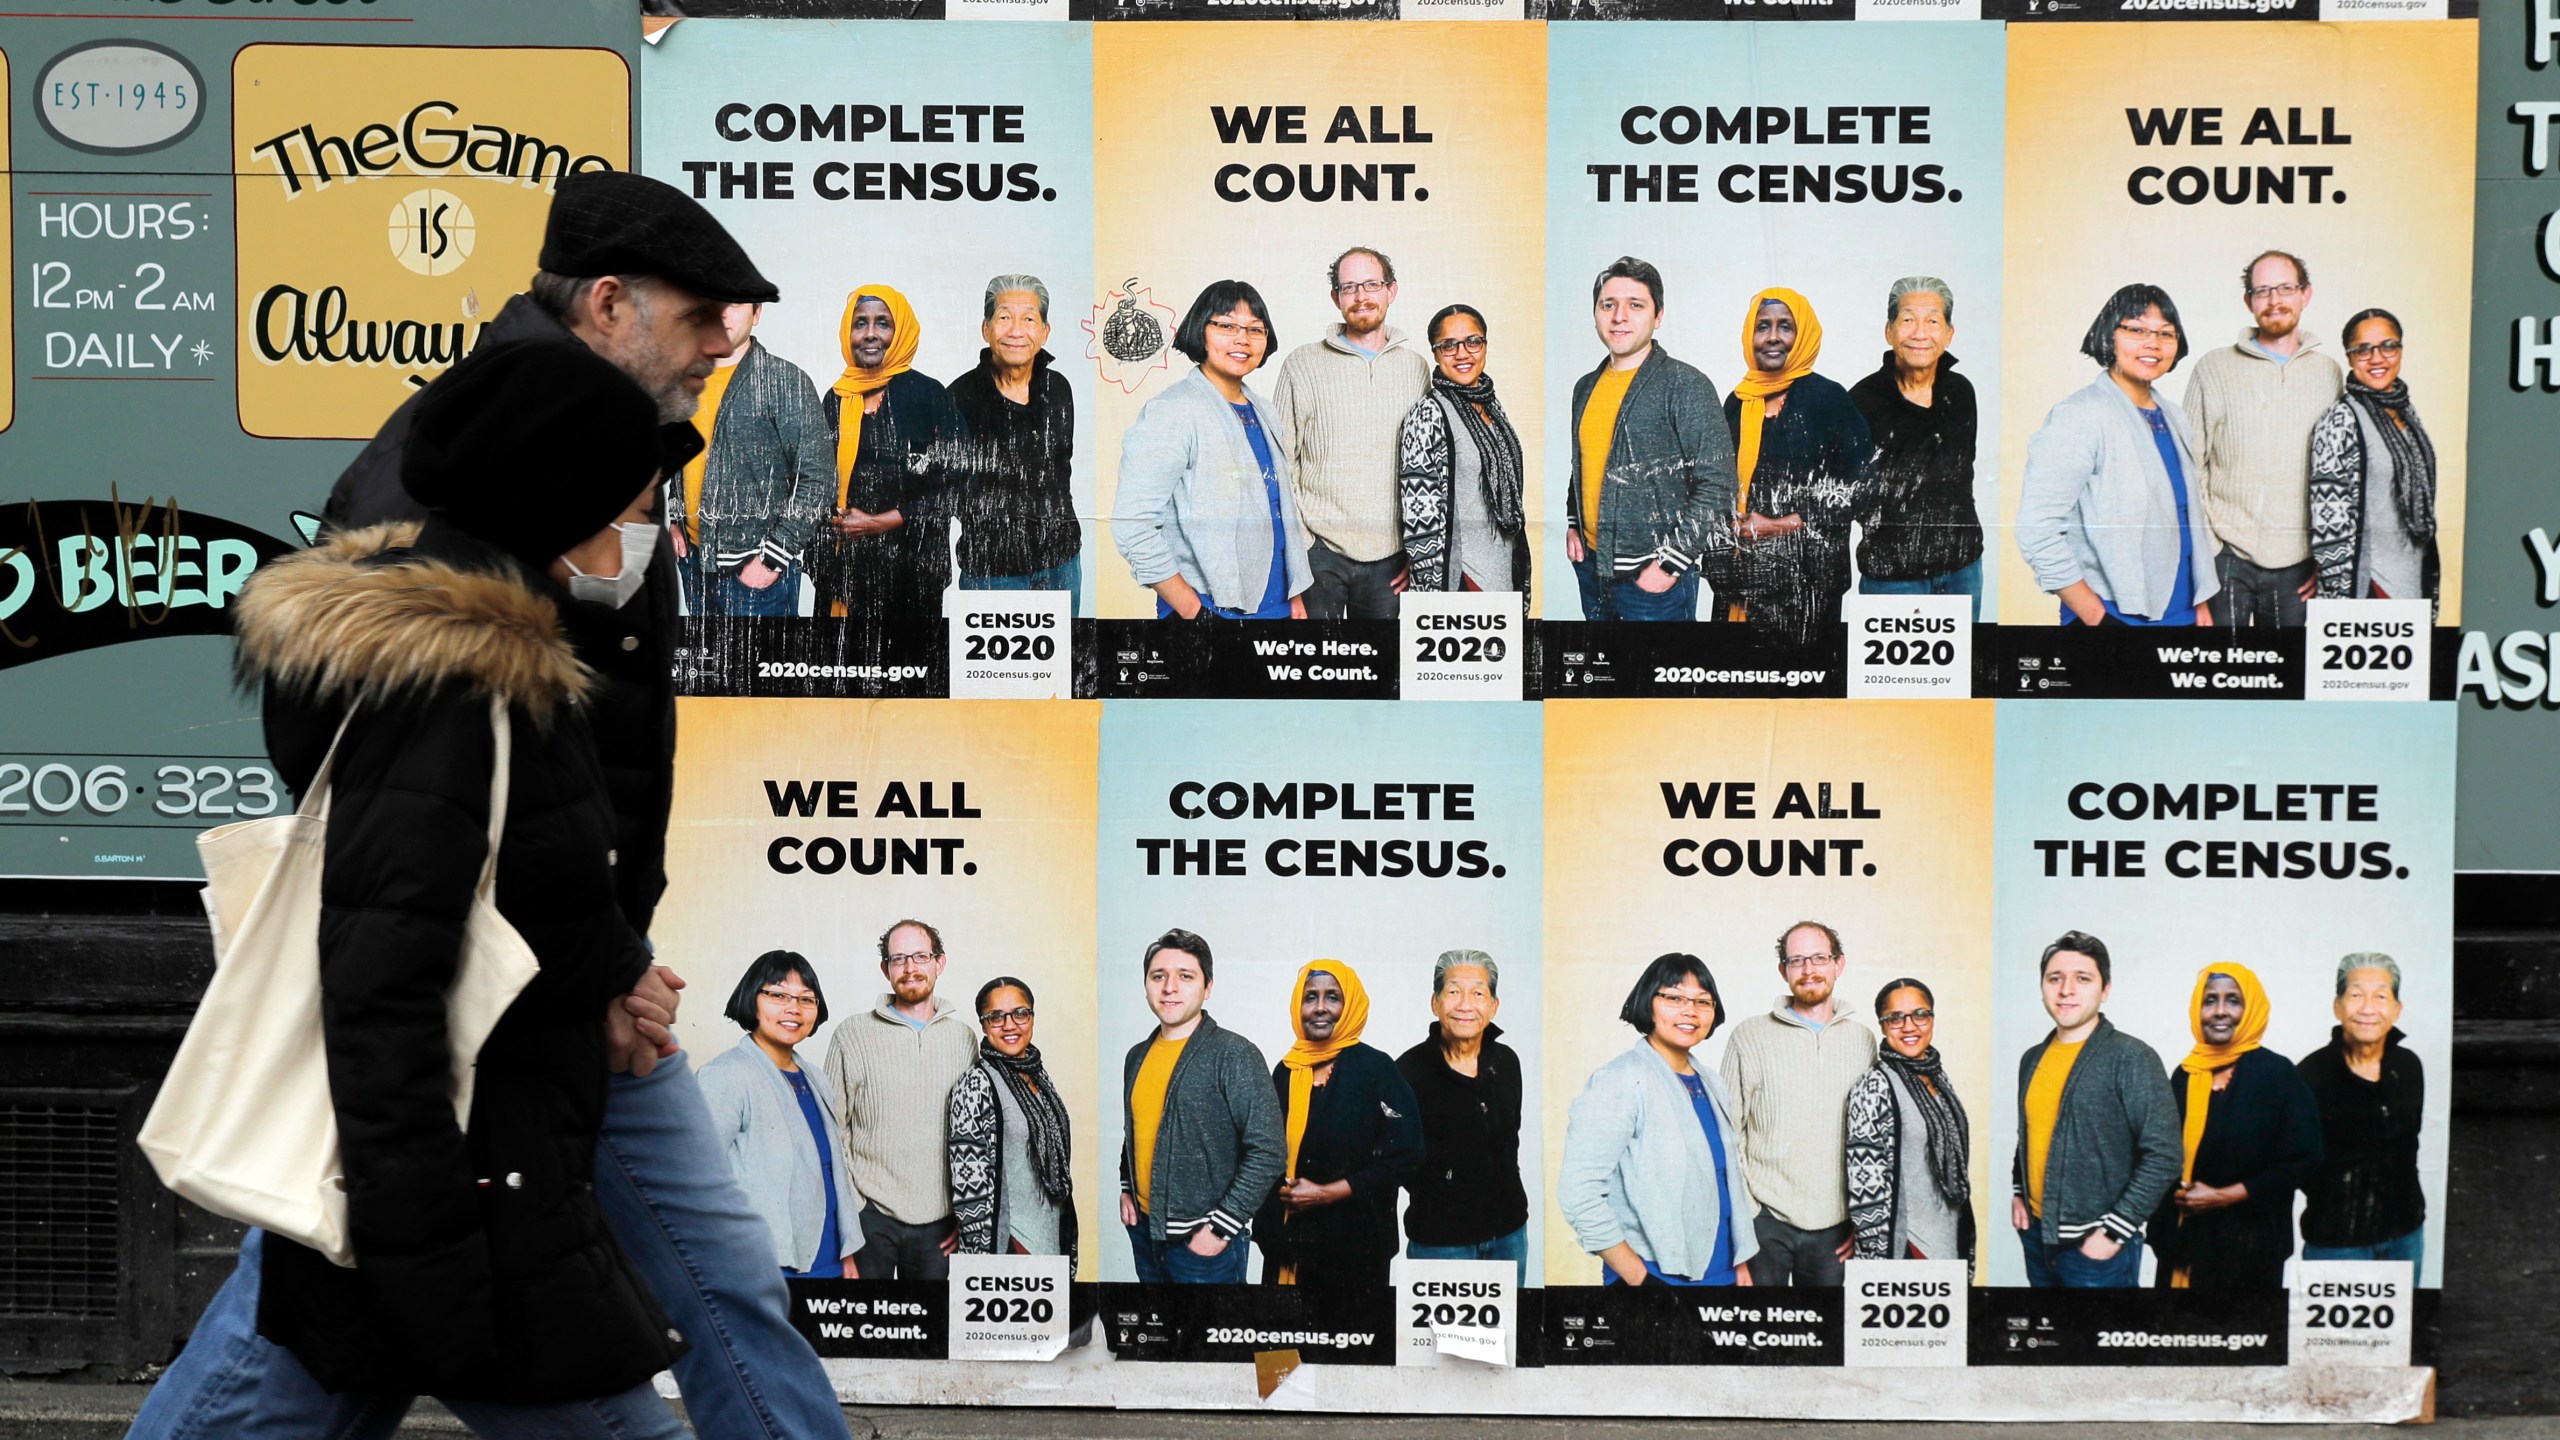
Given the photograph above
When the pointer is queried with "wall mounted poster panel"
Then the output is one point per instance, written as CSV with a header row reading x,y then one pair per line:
x,y
278,230
1358,181
932,239
1775,244
2232,218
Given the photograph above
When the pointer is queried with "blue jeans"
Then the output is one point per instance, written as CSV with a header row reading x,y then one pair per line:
x,y
2411,1247
709,590
1618,597
1067,575
1173,1262
1966,582
1513,1247
663,1181
2063,1267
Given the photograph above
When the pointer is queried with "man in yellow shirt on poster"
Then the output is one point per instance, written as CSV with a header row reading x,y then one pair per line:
x,y
1203,1142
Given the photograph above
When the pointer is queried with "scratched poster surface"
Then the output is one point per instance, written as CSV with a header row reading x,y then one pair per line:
x,y
233,249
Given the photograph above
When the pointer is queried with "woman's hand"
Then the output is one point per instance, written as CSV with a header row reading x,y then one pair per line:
x,y
2200,1199
1301,1195
1764,527
2082,602
1625,1263
1206,1243
1128,1208
859,523
1573,549
1653,579
1177,592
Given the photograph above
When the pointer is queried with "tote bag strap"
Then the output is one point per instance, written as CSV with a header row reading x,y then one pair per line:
x,y
315,796
503,734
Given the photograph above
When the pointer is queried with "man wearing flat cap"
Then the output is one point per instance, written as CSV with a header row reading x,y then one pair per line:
x,y
641,274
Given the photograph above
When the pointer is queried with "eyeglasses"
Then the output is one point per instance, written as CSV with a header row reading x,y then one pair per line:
x,y
912,960
2148,332
1365,289
1472,344
1794,963
798,999
1680,1000
1900,1018
1230,327
1019,1015
2265,293
2378,347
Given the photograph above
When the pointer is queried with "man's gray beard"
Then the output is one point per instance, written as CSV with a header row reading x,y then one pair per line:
x,y
676,404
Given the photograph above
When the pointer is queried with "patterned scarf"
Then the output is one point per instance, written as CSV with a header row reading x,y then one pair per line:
x,y
1925,1079
2413,456
1497,445
1042,1110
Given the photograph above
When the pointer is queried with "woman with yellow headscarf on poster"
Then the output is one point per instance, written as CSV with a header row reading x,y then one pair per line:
x,y
1807,468
2252,1138
882,556
1354,1132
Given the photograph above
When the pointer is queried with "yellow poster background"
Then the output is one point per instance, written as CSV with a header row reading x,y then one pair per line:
x,y
1479,239
1612,906
2406,92
352,233
1028,911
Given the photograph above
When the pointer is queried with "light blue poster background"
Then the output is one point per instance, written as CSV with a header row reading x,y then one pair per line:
x,y
1715,253
2160,929
940,254
1262,927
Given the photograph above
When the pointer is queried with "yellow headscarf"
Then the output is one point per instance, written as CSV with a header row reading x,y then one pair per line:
x,y
1305,1056
1757,385
857,382
2203,1060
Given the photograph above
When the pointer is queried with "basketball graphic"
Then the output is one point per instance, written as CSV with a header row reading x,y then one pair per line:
x,y
431,232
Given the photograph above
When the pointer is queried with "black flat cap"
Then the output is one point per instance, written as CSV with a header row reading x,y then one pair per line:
x,y
532,445
612,222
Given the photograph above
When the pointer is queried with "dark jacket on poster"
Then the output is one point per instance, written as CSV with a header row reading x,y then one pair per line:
x,y
1018,511
632,650
1668,490
2262,1131
1816,461
771,470
1363,1126
1467,1189
913,456
1923,524
484,1268
2116,1147
2366,1189
1220,1147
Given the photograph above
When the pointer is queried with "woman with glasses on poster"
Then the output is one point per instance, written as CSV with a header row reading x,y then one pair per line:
x,y
1206,515
1461,470
1910,1146
785,1141
2109,514
1012,1153
2373,478
1652,1173
2251,1132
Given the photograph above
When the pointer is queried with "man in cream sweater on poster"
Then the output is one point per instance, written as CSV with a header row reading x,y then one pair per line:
x,y
1790,1070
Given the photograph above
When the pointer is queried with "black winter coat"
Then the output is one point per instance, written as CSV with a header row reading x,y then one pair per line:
x,y
1363,1126
914,459
483,1266
632,650
2263,1131
2367,1188
1467,1188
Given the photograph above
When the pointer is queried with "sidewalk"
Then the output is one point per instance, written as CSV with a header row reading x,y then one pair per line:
x,y
35,1410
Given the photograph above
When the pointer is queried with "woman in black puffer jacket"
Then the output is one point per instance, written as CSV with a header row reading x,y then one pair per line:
x,y
484,1272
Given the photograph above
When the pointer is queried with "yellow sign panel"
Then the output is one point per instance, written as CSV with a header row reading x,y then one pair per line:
x,y
390,199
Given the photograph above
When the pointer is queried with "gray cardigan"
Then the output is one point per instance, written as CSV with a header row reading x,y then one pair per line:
x,y
2117,1140
760,1126
2095,502
1668,493
771,471
1637,1168
1221,1144
1191,501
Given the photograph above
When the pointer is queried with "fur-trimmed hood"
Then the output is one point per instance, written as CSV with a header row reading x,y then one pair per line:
x,y
340,623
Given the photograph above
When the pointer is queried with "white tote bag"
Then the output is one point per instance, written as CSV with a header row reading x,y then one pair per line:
x,y
243,1124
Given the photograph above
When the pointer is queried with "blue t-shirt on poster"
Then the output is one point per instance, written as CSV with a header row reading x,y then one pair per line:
x,y
831,1237
2182,594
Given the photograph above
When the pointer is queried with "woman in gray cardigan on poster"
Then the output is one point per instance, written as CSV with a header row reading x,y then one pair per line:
x,y
784,1139
1652,1173
1206,515
2110,513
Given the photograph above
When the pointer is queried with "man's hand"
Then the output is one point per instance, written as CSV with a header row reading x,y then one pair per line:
x,y
1573,550
675,535
2019,1219
1653,579
2101,1246
639,1027
1208,1244
1297,607
1128,1208
2309,589
1848,1248
2204,613
1403,580
950,1241
1742,1275
757,575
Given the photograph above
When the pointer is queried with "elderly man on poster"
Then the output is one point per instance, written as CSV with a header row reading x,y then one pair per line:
x,y
1924,535
1467,1200
2366,1202
1342,402
2254,404
1791,1070
1018,527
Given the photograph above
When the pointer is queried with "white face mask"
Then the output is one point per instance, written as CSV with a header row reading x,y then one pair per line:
x,y
639,542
